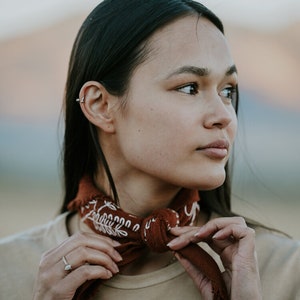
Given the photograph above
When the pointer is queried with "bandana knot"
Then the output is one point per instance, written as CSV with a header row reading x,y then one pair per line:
x,y
135,233
155,228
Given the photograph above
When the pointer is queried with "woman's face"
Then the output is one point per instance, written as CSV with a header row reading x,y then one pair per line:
x,y
179,123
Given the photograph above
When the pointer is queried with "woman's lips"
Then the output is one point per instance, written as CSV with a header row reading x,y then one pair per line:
x,y
217,149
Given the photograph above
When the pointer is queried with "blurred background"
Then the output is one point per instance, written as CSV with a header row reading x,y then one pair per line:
x,y
35,42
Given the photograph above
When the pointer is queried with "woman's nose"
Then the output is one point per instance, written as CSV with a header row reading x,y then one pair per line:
x,y
219,114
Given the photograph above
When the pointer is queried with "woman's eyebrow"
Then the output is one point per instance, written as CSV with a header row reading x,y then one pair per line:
x,y
199,71
231,70
189,70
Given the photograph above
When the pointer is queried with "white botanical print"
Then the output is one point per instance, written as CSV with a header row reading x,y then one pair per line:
x,y
108,223
193,213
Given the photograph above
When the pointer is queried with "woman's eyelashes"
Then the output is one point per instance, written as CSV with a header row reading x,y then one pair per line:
x,y
229,93
189,88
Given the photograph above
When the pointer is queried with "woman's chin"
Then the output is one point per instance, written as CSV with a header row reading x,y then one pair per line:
x,y
210,183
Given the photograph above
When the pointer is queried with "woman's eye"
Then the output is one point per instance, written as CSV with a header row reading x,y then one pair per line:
x,y
190,89
229,93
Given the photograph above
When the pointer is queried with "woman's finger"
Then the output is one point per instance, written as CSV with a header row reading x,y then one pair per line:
x,y
84,255
185,235
83,240
205,233
80,258
215,225
80,249
234,241
66,287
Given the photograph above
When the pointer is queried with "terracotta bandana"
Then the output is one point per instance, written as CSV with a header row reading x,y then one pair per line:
x,y
134,233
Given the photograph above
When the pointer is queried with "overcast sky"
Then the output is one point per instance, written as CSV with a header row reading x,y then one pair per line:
x,y
21,16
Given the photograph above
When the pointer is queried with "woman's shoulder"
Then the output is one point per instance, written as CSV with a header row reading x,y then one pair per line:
x,y
271,242
20,255
32,242
279,264
51,232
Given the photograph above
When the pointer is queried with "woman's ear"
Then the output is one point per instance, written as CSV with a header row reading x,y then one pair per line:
x,y
97,105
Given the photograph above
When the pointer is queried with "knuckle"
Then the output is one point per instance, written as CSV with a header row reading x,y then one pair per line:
x,y
44,278
80,237
84,255
82,251
240,220
251,231
55,292
84,272
44,262
87,272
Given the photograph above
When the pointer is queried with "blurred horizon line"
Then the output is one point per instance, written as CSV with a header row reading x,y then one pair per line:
x,y
269,16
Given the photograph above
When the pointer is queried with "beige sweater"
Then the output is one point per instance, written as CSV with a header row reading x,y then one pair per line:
x,y
279,261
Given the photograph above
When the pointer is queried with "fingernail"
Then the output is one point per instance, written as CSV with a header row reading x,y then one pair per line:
x,y
216,235
116,269
116,244
199,232
172,243
118,257
109,274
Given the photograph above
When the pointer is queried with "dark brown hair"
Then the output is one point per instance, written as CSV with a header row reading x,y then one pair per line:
x,y
109,46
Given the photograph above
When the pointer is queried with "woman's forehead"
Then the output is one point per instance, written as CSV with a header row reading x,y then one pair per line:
x,y
192,41
185,29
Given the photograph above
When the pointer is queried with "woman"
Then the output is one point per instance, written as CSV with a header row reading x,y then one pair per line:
x,y
150,104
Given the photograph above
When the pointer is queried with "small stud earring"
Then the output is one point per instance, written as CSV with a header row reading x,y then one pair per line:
x,y
80,100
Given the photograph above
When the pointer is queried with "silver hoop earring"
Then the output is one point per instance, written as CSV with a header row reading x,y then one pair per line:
x,y
80,100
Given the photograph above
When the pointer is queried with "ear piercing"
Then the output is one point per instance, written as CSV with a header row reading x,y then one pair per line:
x,y
80,100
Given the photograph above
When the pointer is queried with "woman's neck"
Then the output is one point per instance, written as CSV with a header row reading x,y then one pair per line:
x,y
140,197
143,203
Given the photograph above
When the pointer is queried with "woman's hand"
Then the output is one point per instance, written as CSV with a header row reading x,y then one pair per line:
x,y
91,256
235,243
